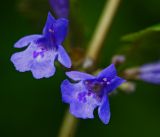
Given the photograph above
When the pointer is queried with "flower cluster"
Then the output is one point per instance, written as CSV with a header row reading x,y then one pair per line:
x,y
87,92
83,92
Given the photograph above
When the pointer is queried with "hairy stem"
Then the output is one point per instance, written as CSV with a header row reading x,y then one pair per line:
x,y
70,123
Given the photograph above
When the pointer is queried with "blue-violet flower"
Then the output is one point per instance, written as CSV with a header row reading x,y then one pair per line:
x,y
43,50
89,92
60,7
150,73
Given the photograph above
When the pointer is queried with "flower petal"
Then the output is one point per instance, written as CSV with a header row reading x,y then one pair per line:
x,y
60,7
73,94
68,91
23,60
82,110
104,111
49,22
63,57
60,30
55,30
76,75
117,81
151,77
41,65
109,72
150,68
44,68
25,41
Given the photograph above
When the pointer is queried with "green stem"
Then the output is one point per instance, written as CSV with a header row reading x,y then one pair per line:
x,y
101,32
69,126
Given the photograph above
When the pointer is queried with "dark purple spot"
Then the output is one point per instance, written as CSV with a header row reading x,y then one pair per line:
x,y
81,97
96,87
39,53
35,54
89,93
84,100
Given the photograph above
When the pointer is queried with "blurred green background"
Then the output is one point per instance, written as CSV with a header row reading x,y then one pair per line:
x,y
33,108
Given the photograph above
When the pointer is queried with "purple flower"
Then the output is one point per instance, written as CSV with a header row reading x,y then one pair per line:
x,y
89,92
150,73
43,50
60,7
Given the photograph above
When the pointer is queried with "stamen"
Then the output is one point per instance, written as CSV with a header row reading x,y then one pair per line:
x,y
108,83
50,30
105,79
86,82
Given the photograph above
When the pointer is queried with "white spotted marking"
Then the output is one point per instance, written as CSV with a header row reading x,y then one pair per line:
x,y
105,79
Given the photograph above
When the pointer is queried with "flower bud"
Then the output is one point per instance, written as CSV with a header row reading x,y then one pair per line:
x,y
60,7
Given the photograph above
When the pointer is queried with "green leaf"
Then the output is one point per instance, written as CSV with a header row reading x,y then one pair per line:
x,y
141,47
141,34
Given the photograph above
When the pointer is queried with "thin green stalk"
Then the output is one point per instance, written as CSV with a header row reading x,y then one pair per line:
x,y
101,32
69,126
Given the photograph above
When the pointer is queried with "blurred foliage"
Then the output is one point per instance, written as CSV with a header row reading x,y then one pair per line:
x,y
142,47
33,108
33,9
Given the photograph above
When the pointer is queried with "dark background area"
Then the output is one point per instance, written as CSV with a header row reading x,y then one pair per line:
x,y
33,108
